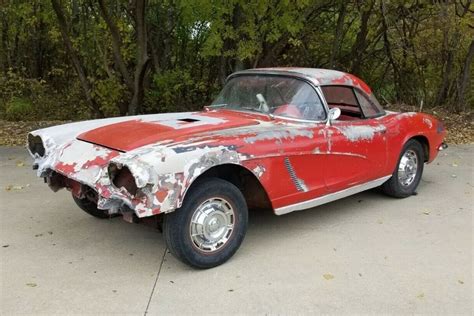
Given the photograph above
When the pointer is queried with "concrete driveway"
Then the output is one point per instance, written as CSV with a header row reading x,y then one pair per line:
x,y
364,254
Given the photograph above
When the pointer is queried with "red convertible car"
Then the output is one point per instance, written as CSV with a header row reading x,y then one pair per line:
x,y
287,139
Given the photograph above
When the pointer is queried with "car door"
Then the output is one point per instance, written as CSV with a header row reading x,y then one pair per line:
x,y
356,140
299,167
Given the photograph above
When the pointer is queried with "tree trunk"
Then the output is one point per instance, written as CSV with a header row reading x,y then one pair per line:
x,y
446,59
38,43
388,51
75,59
135,105
465,78
336,45
360,43
6,62
116,45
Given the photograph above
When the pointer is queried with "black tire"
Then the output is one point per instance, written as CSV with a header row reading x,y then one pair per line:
x,y
177,226
394,186
90,207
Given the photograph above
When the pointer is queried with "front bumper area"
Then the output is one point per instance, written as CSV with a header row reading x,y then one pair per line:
x,y
79,167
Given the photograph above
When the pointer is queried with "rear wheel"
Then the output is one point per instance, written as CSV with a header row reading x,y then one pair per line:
x,y
407,175
210,225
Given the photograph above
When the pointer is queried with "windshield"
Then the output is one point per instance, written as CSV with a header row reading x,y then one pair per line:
x,y
277,95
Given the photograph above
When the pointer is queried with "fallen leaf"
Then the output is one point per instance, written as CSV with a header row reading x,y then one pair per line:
x,y
11,187
426,213
460,282
31,284
20,164
328,276
454,164
421,295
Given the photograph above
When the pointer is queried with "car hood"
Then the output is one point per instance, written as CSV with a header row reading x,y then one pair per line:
x,y
129,135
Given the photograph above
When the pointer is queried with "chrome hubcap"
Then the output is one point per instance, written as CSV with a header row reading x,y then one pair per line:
x,y
407,168
212,224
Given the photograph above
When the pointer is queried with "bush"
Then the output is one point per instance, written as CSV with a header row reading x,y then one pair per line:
x,y
18,109
24,99
177,91
109,93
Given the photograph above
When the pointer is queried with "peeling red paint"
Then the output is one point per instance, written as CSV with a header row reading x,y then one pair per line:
x,y
101,161
65,168
352,80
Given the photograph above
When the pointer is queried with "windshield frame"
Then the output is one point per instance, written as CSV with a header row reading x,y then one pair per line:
x,y
285,75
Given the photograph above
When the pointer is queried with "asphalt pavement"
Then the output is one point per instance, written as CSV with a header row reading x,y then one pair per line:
x,y
367,253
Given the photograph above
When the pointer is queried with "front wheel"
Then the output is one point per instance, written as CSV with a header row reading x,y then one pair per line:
x,y
210,225
407,175
88,205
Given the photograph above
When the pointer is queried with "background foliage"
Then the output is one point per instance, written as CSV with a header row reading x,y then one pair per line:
x,y
91,58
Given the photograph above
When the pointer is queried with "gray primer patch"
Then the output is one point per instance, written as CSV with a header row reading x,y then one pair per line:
x,y
355,133
279,135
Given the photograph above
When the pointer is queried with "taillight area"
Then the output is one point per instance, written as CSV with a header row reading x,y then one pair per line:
x,y
440,127
123,178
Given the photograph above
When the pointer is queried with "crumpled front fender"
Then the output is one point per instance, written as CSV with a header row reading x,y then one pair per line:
x,y
163,174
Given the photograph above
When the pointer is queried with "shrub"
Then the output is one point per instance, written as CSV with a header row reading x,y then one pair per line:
x,y
18,109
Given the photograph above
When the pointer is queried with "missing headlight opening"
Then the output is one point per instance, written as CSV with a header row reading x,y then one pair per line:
x,y
122,177
35,145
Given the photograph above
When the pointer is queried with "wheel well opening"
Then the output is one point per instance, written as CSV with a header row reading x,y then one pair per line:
x,y
253,191
425,144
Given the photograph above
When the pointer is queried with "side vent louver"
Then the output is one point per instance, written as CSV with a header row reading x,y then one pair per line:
x,y
297,182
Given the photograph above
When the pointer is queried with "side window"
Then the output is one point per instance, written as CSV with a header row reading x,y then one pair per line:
x,y
370,106
344,98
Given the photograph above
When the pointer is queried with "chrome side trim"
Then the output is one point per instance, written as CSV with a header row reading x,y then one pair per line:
x,y
331,197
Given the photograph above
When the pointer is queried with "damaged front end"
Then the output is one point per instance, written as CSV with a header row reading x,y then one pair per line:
x,y
97,173
147,181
